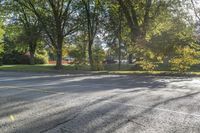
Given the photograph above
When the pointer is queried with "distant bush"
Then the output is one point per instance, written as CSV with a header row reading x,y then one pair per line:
x,y
1,62
98,58
1,54
184,59
1,59
15,58
147,65
21,58
41,59
147,60
78,55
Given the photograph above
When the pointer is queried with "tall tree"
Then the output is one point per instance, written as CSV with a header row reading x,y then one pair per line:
x,y
114,28
28,22
92,9
1,42
140,14
56,18
31,30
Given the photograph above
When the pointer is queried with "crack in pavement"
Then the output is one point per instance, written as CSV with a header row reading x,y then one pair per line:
x,y
67,120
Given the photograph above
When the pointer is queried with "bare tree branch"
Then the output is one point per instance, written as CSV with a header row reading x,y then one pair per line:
x,y
195,10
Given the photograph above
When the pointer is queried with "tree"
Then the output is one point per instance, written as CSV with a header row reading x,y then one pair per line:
x,y
114,29
140,14
99,56
57,20
1,42
31,33
28,24
76,53
92,10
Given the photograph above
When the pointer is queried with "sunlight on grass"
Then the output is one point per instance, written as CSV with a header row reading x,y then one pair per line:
x,y
84,68
39,68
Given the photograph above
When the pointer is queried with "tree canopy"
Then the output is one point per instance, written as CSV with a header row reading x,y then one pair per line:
x,y
147,33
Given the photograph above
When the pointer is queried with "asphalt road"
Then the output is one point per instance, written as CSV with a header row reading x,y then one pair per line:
x,y
50,103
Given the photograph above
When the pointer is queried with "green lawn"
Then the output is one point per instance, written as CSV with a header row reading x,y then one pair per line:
x,y
85,68
40,68
161,73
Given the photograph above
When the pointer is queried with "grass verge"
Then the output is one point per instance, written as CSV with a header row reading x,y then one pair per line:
x,y
85,69
40,68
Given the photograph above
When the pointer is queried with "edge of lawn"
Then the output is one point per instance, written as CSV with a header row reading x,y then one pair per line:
x,y
70,69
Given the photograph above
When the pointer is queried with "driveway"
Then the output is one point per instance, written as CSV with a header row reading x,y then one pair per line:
x,y
51,103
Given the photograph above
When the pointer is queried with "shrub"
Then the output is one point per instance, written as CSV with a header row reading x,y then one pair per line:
x,y
1,59
147,65
20,58
184,59
15,58
98,57
78,55
1,62
41,59
147,60
1,54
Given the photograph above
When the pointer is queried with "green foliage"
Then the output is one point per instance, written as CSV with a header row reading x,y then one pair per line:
x,y
1,53
21,58
41,57
147,65
152,31
1,43
76,53
146,59
1,60
1,48
174,33
98,56
15,58
11,43
174,43
42,52
57,19
12,52
184,59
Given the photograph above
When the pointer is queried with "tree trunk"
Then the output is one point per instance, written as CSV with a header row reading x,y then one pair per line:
x,y
32,48
119,56
130,58
32,56
90,55
59,52
84,61
59,59
59,46
120,39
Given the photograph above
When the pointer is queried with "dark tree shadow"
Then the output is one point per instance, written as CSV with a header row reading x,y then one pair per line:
x,y
111,108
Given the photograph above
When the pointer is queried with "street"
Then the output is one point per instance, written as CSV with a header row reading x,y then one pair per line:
x,y
84,103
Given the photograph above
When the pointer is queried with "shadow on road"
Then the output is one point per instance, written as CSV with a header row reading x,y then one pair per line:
x,y
91,110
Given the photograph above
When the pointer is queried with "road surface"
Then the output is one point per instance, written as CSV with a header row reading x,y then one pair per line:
x,y
53,103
